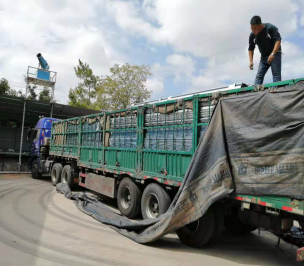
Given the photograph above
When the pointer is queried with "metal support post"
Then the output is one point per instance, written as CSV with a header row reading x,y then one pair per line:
x,y
21,140
22,128
52,100
52,106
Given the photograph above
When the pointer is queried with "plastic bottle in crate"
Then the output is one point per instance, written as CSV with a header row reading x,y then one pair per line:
x,y
169,139
189,116
152,139
83,139
111,139
178,139
122,135
133,139
160,136
204,114
146,139
94,139
170,119
188,138
202,130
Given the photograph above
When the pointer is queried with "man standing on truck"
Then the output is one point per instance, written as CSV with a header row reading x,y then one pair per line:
x,y
268,39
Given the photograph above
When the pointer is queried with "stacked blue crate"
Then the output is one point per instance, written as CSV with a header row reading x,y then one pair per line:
x,y
125,138
167,138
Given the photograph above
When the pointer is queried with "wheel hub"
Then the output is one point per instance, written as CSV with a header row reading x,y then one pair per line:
x,y
152,206
126,198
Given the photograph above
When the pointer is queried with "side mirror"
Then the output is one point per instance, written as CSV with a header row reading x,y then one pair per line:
x,y
29,134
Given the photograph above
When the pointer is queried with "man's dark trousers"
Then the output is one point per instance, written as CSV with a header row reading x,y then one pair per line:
x,y
276,66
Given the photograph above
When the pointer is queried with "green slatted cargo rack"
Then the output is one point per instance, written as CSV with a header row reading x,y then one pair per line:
x,y
140,155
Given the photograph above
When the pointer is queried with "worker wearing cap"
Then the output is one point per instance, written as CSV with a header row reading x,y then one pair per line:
x,y
268,39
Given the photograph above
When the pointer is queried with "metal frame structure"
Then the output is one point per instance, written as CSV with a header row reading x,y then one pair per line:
x,y
32,78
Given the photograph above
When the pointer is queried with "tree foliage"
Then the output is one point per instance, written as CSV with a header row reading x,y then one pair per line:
x,y
31,91
123,87
45,95
126,86
84,93
5,89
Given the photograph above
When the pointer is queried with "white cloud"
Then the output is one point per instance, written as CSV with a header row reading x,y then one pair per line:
x,y
238,71
175,67
203,28
177,59
156,87
63,31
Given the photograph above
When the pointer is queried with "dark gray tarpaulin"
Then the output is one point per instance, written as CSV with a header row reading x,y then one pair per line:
x,y
254,144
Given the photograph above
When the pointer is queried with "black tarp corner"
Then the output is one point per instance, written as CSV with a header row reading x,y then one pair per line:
x,y
253,145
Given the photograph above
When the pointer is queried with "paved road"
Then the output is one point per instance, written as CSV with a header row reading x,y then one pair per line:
x,y
40,227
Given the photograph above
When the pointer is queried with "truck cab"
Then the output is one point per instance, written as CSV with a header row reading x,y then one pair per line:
x,y
38,137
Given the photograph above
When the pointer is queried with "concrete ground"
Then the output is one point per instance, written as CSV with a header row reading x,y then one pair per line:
x,y
40,227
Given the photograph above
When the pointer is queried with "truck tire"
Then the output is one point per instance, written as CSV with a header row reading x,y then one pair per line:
x,y
35,170
155,201
128,198
67,176
199,232
219,221
56,173
234,225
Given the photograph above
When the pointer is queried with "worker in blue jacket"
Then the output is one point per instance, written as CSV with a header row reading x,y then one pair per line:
x,y
268,39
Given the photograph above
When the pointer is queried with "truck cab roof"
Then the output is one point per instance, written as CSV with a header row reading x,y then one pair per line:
x,y
45,123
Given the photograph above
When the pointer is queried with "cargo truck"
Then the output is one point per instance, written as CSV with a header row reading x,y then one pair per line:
x,y
140,155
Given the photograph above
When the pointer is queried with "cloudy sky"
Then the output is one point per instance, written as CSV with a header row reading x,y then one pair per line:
x,y
190,45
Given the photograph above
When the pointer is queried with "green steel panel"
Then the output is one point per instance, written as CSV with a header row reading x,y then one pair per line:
x,y
174,165
121,160
70,151
126,160
85,154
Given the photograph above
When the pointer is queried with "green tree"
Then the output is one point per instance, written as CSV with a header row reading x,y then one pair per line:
x,y
4,87
124,87
84,93
31,91
45,95
32,95
78,97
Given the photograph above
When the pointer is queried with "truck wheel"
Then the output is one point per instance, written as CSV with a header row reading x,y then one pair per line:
x,y
35,170
56,173
234,225
219,221
67,176
199,232
155,201
128,198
